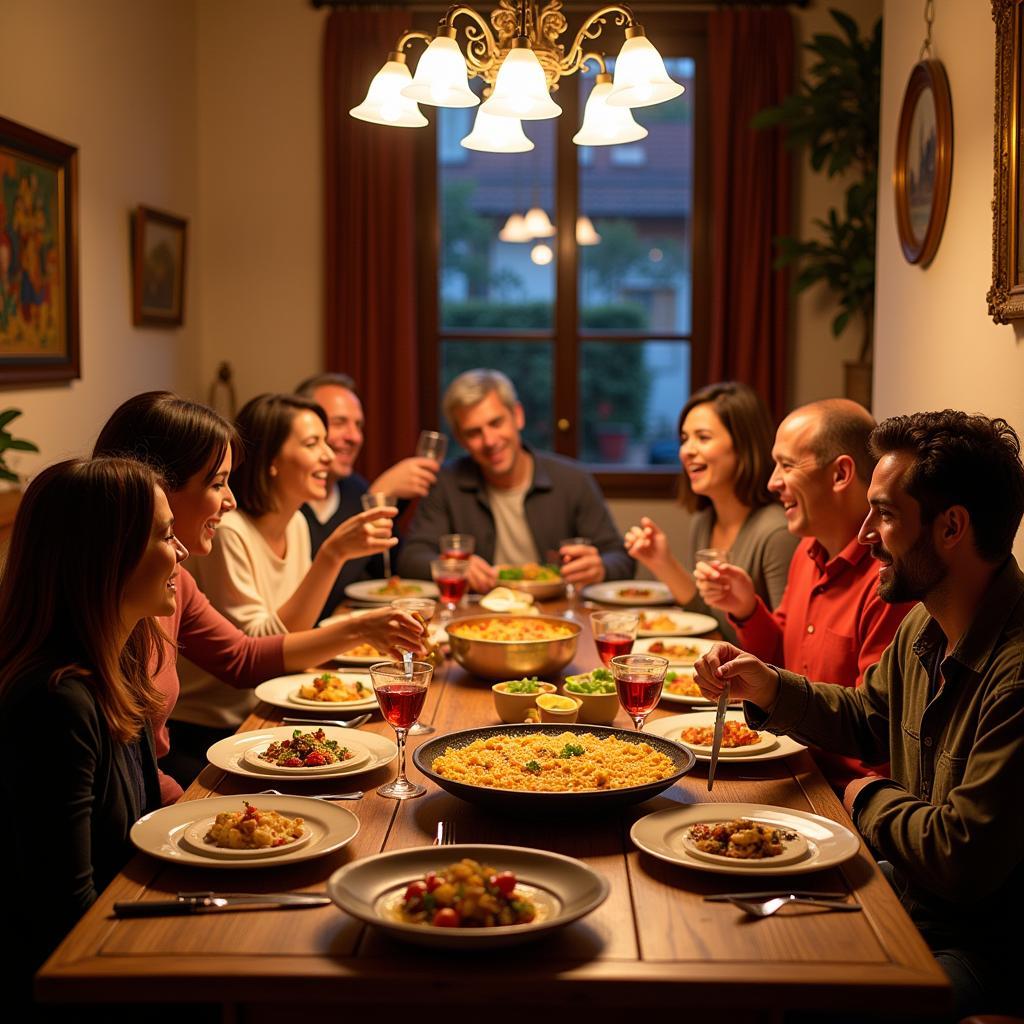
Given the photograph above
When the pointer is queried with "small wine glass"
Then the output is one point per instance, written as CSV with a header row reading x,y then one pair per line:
x,y
401,698
378,499
452,577
456,545
570,588
423,609
638,682
432,445
614,633
711,556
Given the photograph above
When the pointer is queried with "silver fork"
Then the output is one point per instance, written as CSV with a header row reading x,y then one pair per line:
x,y
355,795
765,908
352,723
445,834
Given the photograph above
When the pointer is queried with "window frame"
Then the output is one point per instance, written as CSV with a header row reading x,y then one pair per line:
x,y
675,32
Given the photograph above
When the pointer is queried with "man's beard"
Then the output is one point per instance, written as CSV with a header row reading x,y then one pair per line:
x,y
919,571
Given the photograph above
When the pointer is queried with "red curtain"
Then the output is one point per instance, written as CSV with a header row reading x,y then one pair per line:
x,y
751,66
370,321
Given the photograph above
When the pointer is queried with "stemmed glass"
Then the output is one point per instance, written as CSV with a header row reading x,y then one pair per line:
x,y
432,445
423,609
456,545
570,588
378,499
452,577
401,696
614,633
638,682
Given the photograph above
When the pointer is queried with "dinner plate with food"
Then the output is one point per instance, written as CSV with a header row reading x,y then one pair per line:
x,y
385,591
739,742
552,767
681,688
672,622
629,592
744,839
320,691
249,831
333,752
681,651
467,897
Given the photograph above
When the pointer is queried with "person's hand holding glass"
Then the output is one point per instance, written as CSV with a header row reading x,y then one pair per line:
x,y
401,693
378,499
638,682
422,610
713,582
432,445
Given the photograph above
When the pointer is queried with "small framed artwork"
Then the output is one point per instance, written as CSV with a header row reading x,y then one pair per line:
x,y
924,162
158,266
38,257
1006,296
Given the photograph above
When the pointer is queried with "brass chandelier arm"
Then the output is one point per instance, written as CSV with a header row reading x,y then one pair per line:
x,y
597,58
407,37
482,51
591,29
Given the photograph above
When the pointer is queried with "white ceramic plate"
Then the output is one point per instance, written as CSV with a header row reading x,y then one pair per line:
x,y
360,755
672,727
228,754
566,887
694,701
629,592
765,740
283,692
678,623
367,590
682,651
160,833
662,835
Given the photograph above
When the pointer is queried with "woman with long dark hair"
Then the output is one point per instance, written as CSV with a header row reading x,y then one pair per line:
x,y
195,449
92,561
725,436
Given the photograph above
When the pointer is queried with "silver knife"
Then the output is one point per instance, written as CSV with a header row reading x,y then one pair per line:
x,y
199,902
716,743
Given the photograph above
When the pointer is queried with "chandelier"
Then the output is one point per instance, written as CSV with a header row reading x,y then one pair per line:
x,y
520,60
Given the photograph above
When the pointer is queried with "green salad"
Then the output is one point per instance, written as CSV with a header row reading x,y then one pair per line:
x,y
528,685
598,681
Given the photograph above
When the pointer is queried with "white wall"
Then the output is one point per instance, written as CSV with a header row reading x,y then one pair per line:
x,y
117,80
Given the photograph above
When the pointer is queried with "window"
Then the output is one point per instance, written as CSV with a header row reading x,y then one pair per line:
x,y
603,338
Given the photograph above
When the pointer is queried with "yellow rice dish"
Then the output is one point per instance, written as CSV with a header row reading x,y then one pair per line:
x,y
509,628
545,763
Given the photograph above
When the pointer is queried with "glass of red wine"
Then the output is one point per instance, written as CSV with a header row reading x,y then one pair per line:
x,y
614,633
452,577
421,608
401,691
456,545
638,681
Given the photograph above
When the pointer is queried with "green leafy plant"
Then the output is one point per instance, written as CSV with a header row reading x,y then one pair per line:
x,y
835,115
10,443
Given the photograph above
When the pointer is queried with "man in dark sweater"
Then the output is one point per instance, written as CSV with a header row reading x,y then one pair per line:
x,y
409,478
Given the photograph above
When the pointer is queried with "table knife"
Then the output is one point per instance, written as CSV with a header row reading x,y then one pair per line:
x,y
716,743
201,902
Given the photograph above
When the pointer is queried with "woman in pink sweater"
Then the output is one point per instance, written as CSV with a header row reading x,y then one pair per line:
x,y
193,448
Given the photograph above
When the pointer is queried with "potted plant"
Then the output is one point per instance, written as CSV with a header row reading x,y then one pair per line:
x,y
10,443
835,113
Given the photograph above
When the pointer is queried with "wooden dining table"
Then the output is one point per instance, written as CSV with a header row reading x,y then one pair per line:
x,y
655,944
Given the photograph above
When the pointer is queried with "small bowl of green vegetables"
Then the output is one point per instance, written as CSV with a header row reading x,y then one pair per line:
x,y
597,692
514,697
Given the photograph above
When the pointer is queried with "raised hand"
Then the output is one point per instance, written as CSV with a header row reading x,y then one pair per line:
x,y
747,677
648,544
726,587
583,564
367,533
408,478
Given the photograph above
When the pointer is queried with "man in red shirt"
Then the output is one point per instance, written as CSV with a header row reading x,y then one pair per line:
x,y
831,623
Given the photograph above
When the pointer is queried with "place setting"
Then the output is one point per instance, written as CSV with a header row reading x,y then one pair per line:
x,y
740,744
335,691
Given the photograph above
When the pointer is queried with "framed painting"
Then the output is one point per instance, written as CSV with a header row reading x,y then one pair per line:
x,y
38,257
924,162
1006,296
158,267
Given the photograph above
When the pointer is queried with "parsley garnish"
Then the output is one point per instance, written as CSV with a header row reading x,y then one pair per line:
x,y
532,767
572,750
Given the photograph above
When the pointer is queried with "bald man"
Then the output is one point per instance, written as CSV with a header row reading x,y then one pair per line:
x,y
830,624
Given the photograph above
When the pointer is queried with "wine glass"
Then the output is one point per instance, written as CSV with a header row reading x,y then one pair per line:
x,y
638,682
711,556
423,609
432,445
456,545
614,633
570,588
401,698
378,499
452,577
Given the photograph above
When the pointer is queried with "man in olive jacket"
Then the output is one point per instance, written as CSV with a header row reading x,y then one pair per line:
x,y
945,705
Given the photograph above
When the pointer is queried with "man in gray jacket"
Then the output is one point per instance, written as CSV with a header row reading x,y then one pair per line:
x,y
517,503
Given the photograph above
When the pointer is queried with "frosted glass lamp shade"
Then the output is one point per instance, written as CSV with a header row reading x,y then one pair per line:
x,y
440,78
385,104
538,224
585,232
521,90
541,254
640,76
492,134
515,229
604,125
